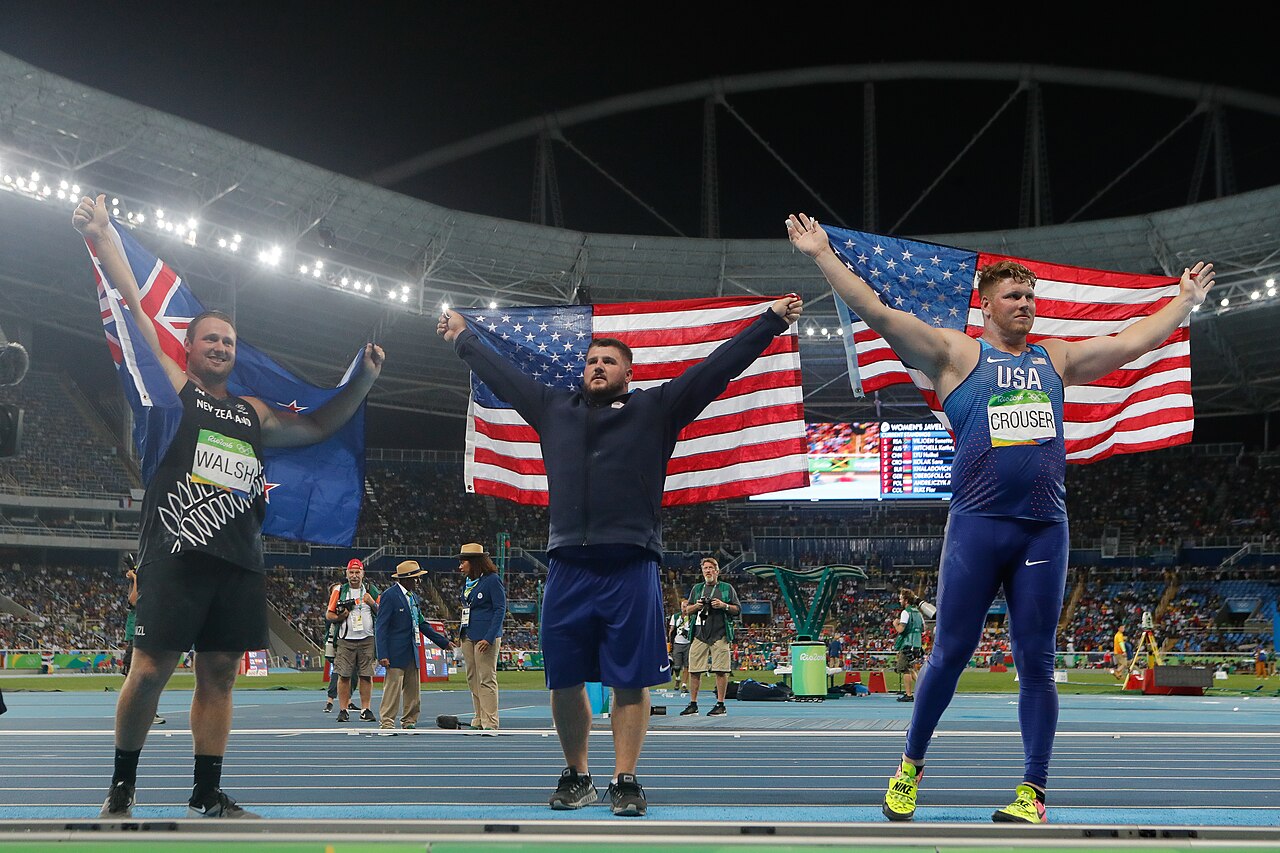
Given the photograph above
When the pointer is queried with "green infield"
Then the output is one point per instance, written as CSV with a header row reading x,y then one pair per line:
x,y
973,681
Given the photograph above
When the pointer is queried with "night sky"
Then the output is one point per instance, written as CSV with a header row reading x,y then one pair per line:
x,y
357,87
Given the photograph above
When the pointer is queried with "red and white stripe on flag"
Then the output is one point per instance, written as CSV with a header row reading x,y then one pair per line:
x,y
750,440
1145,405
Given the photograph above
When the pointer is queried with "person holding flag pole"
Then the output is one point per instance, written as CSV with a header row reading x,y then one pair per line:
x,y
1007,525
203,509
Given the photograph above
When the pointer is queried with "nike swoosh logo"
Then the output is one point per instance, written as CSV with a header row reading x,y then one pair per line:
x,y
991,360
665,668
1035,562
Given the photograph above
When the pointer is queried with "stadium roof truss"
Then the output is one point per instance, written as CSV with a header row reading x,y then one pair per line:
x,y
313,263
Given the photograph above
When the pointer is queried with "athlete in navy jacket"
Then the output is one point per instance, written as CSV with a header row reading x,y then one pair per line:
x,y
606,451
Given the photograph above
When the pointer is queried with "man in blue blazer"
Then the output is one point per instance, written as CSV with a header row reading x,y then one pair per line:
x,y
396,638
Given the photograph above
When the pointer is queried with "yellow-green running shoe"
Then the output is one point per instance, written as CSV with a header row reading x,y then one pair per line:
x,y
900,799
1025,809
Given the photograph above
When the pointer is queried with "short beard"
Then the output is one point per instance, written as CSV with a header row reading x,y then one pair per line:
x,y
606,393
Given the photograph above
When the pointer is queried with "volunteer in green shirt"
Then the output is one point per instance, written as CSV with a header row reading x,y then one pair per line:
x,y
909,644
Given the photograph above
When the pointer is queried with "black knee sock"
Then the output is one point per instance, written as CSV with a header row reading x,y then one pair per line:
x,y
126,769
208,777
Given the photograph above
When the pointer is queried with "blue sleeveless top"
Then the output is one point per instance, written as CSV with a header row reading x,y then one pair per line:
x,y
1010,453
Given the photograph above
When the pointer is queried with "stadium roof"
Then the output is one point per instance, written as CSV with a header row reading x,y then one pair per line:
x,y
414,255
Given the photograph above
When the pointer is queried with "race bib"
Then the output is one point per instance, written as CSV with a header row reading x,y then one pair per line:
x,y
466,616
1020,416
225,462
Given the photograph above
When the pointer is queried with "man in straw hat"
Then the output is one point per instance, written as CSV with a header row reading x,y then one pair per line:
x,y
396,636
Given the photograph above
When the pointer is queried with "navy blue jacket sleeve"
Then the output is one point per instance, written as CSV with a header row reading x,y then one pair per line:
x,y
498,605
382,627
525,394
430,633
692,391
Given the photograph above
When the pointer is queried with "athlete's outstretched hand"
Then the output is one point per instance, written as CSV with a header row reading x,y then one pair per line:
x,y
1196,282
450,326
90,217
806,235
373,359
789,308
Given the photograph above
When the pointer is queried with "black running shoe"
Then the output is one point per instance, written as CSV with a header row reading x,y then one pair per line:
x,y
574,791
718,710
119,802
352,706
343,716
626,796
690,709
158,721
368,716
220,806
328,707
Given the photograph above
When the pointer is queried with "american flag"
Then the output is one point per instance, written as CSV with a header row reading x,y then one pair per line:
x,y
750,440
1145,405
314,492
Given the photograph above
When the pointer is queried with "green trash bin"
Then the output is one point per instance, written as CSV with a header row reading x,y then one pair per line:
x,y
809,669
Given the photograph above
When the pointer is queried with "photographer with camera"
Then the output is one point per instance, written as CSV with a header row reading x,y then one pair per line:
x,y
713,604
353,606
909,643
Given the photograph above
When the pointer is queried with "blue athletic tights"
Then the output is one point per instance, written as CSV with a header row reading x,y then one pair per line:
x,y
979,554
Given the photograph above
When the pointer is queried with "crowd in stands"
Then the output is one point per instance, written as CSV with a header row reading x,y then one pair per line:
x,y
65,447
79,608
1199,497
75,607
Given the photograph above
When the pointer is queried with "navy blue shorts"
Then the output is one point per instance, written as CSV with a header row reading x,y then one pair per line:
x,y
602,620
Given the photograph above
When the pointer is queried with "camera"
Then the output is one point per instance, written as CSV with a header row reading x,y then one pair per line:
x,y
705,601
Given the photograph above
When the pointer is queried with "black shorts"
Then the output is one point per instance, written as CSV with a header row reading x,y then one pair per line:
x,y
198,601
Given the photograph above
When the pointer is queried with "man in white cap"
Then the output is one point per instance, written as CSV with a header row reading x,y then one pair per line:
x,y
396,636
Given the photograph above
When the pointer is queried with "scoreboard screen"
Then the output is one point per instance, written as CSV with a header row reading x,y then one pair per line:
x,y
875,460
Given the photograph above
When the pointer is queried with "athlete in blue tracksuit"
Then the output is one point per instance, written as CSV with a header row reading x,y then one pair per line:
x,y
1008,522
606,451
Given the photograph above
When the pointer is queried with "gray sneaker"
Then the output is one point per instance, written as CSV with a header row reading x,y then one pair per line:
x,y
626,797
574,791
119,802
220,806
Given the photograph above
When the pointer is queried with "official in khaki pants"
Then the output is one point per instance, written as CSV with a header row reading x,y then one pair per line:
x,y
396,632
484,606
